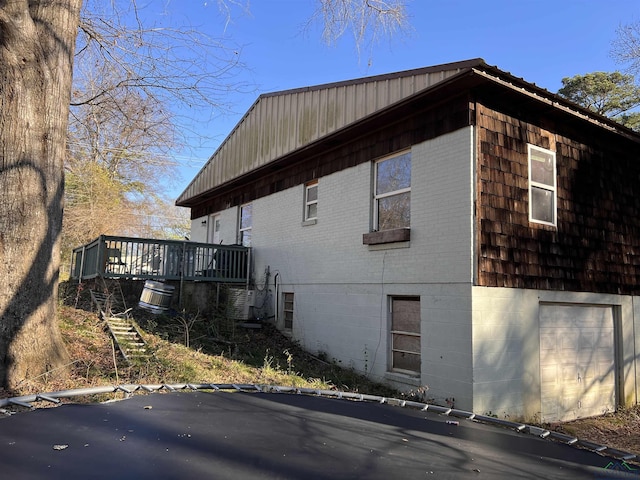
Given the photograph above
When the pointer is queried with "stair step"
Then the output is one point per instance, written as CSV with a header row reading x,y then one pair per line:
x,y
125,335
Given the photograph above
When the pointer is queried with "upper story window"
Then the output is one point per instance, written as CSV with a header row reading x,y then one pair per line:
x,y
542,186
246,223
392,196
311,201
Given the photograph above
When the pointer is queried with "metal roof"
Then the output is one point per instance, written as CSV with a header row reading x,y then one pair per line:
x,y
281,122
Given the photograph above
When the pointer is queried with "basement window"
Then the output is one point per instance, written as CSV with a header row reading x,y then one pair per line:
x,y
405,335
287,309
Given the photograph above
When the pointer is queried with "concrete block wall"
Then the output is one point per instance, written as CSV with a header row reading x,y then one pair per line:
x,y
506,347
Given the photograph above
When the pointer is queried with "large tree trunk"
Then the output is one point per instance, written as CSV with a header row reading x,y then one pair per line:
x,y
37,41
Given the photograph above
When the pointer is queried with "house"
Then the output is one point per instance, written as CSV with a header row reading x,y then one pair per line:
x,y
454,228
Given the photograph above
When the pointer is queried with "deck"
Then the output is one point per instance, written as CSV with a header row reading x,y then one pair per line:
x,y
145,258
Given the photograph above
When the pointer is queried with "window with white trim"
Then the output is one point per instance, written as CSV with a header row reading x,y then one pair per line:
x,y
405,335
542,185
392,192
311,201
245,225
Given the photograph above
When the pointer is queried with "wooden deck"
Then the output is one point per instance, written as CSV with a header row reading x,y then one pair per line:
x,y
153,259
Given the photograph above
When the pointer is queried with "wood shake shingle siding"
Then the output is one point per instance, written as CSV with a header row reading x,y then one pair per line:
x,y
596,244
282,122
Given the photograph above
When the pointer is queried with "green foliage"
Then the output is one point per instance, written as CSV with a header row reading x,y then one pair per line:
x,y
612,94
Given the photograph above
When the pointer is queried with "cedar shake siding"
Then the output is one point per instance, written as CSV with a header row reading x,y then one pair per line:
x,y
596,244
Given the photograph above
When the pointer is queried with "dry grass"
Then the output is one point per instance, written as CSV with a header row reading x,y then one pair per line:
x,y
95,362
620,430
259,357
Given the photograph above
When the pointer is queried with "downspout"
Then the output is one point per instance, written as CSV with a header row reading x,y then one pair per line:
x,y
636,346
276,287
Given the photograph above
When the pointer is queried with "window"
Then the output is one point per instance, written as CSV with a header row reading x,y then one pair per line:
x,y
311,201
392,193
405,335
542,185
246,221
288,310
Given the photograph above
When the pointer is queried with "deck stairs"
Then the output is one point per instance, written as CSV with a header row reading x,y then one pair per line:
x,y
117,321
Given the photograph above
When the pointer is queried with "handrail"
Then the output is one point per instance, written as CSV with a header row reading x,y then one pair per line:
x,y
147,258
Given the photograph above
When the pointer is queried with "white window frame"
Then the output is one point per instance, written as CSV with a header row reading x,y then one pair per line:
x,y
243,230
394,333
551,188
377,197
308,203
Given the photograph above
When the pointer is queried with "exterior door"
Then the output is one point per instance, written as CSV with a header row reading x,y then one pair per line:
x,y
214,230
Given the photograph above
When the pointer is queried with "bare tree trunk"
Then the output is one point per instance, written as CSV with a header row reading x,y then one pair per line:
x,y
37,41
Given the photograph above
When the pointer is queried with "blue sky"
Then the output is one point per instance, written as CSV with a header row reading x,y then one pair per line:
x,y
541,41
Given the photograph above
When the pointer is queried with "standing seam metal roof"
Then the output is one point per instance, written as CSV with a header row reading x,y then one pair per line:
x,y
280,122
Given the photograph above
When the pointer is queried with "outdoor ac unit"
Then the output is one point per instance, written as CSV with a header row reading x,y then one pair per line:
x,y
239,302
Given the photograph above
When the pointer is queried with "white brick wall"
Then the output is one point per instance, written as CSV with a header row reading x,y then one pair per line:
x,y
342,286
198,230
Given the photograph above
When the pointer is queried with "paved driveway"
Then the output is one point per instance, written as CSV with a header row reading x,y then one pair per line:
x,y
268,435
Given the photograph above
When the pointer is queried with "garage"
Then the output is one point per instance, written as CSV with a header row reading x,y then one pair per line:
x,y
577,361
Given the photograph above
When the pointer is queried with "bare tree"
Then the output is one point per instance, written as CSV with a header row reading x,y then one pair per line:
x,y
117,162
367,20
129,77
626,46
178,65
37,41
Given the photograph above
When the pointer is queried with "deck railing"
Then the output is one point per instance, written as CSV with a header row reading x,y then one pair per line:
x,y
146,258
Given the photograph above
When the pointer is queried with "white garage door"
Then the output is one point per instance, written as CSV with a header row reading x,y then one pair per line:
x,y
577,366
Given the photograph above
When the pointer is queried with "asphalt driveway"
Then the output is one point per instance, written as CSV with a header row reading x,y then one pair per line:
x,y
268,435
